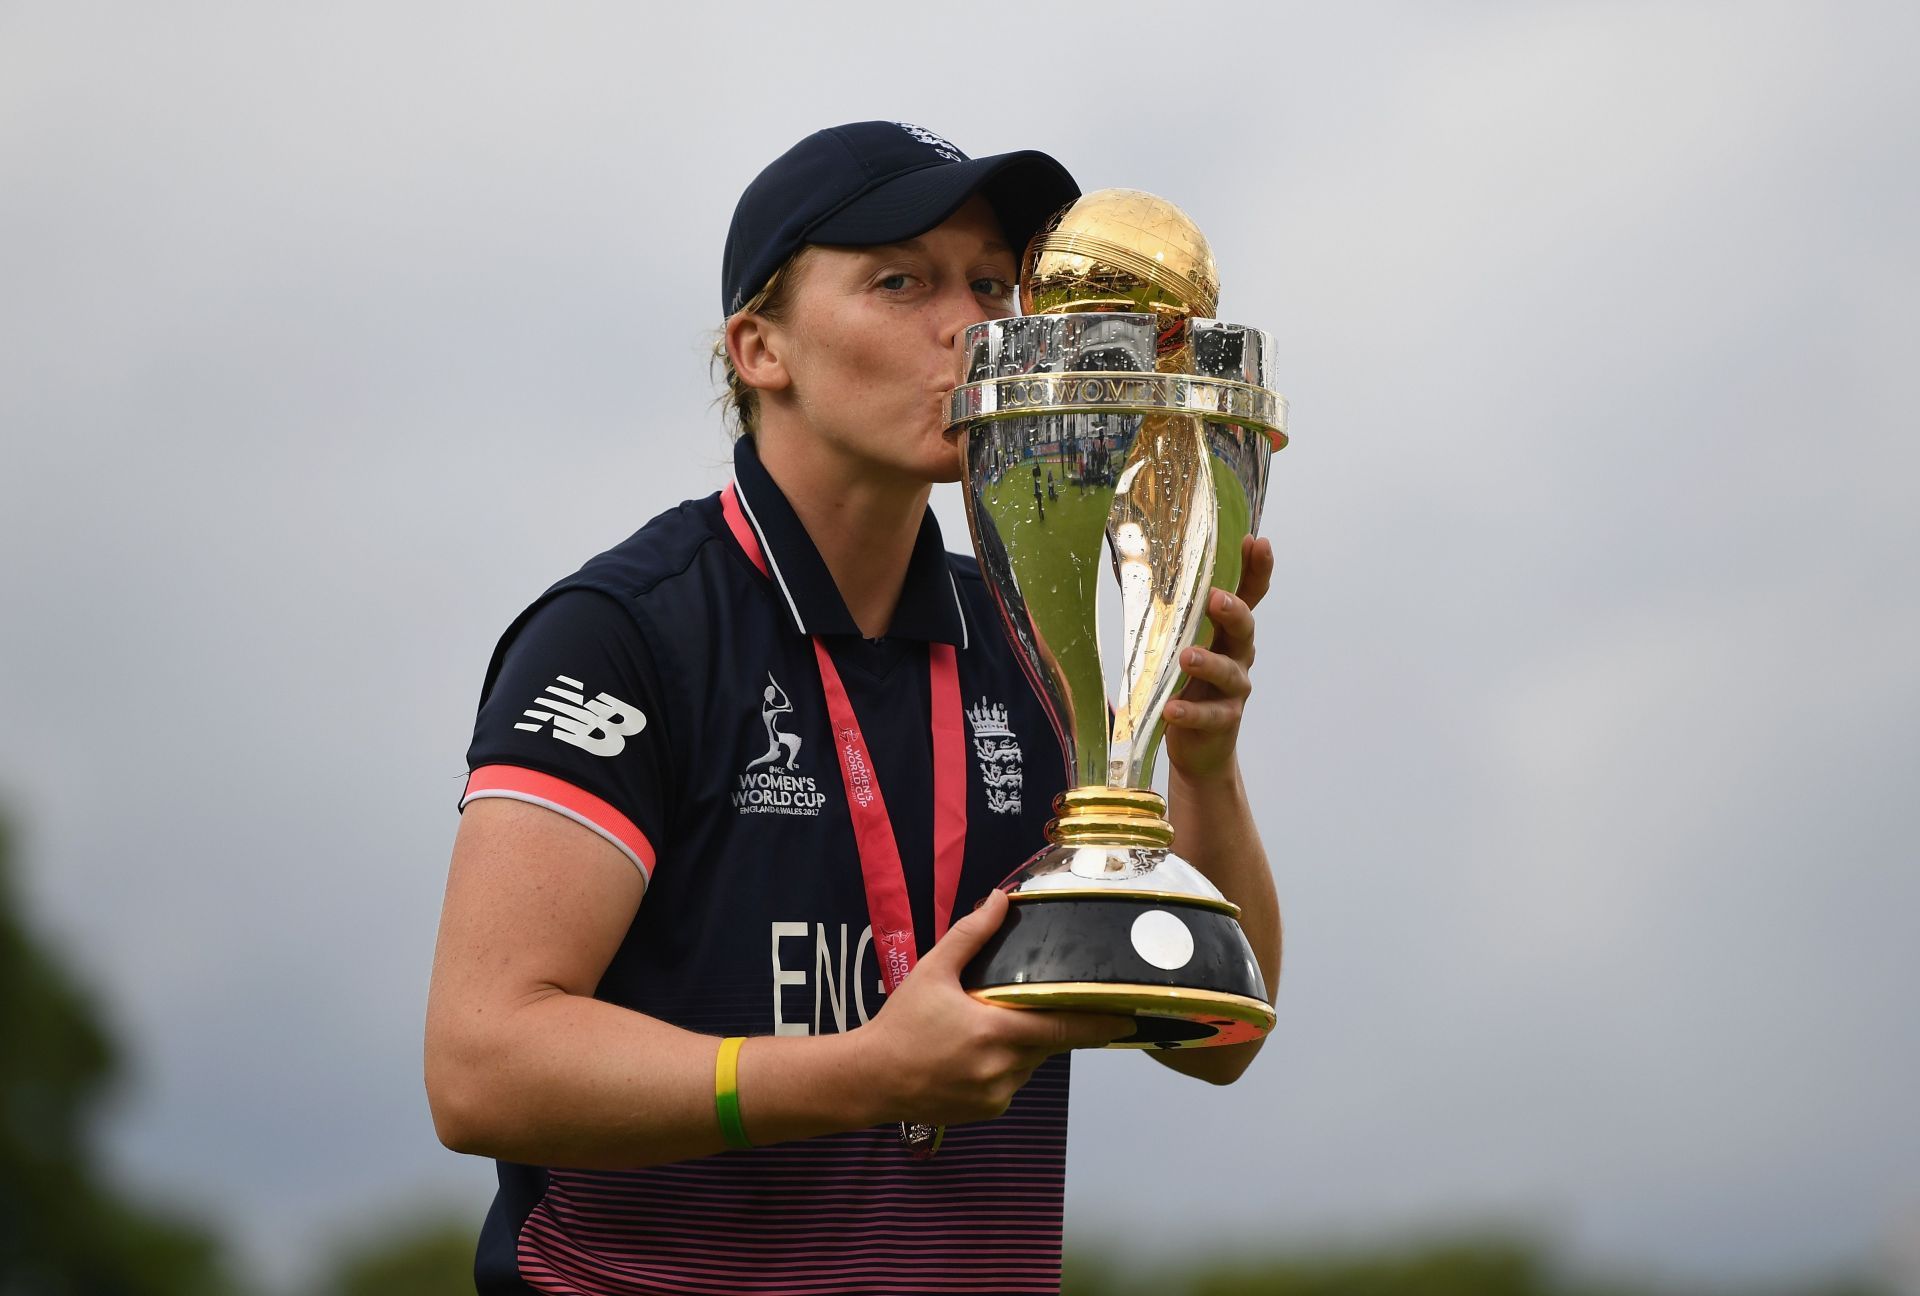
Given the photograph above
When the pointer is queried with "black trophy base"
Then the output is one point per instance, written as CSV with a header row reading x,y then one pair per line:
x,y
1182,970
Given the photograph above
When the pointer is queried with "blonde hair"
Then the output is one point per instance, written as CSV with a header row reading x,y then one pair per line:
x,y
741,403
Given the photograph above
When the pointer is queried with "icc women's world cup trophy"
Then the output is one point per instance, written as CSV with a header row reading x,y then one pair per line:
x,y
1117,411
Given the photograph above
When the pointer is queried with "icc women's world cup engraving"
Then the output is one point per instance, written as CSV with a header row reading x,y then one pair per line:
x,y
1117,413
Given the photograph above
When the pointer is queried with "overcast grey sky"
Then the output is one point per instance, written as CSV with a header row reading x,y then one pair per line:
x,y
1587,725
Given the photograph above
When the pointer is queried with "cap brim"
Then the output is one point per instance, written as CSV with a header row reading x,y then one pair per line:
x,y
1023,188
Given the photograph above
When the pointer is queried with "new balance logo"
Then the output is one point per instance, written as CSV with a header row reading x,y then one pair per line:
x,y
600,725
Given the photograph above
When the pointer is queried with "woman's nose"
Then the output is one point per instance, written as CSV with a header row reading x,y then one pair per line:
x,y
960,310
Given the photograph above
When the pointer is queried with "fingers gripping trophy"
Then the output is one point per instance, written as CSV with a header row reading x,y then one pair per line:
x,y
1152,424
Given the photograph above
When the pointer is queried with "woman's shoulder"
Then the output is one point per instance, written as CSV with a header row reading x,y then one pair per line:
x,y
670,545
661,575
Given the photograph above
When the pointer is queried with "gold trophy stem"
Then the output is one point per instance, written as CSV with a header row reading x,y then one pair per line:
x,y
1110,816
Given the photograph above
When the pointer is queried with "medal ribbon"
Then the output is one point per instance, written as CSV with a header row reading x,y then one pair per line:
x,y
880,869
888,909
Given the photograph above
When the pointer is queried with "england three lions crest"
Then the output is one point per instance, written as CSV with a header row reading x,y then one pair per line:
x,y
996,754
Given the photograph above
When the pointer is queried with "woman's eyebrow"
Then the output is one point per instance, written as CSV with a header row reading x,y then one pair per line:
x,y
919,245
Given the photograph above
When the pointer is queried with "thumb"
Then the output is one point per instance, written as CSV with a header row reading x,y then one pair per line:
x,y
964,939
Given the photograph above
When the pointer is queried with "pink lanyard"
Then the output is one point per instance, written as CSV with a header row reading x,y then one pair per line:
x,y
886,879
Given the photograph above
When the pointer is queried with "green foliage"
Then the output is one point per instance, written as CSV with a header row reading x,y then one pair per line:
x,y
1491,1268
1466,1266
425,1258
64,1231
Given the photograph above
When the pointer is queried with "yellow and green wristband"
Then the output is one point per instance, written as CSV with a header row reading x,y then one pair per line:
x,y
726,1092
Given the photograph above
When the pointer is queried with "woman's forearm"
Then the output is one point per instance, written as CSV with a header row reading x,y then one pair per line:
x,y
1214,831
525,1065
566,1080
520,1069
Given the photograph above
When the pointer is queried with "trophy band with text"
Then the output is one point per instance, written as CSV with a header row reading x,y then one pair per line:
x,y
1116,413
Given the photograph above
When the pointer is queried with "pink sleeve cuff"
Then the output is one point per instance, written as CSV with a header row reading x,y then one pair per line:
x,y
517,784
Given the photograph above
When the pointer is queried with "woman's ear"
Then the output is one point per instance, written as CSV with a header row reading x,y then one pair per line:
x,y
754,346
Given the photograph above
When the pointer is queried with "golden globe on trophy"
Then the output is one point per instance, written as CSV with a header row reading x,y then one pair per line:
x,y
1116,412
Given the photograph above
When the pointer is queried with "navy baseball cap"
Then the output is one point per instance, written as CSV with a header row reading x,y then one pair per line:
x,y
877,182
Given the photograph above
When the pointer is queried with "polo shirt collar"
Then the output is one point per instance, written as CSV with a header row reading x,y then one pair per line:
x,y
929,606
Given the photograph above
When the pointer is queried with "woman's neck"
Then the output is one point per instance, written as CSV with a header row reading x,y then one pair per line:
x,y
864,525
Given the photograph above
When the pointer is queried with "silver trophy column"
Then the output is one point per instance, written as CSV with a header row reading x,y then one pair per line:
x,y
1077,434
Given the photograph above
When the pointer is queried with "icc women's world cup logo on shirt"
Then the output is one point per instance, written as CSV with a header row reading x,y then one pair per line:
x,y
772,782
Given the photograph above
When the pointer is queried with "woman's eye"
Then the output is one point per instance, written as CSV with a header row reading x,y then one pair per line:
x,y
992,286
896,282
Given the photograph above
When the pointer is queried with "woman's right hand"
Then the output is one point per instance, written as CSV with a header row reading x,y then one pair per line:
x,y
939,1056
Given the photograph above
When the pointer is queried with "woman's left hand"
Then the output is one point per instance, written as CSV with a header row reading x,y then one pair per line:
x,y
1203,719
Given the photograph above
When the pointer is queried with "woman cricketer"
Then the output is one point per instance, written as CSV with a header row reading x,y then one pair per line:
x,y
727,837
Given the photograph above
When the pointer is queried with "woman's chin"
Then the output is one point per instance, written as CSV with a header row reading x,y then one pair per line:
x,y
953,462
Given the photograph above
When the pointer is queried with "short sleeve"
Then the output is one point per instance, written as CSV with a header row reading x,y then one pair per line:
x,y
571,720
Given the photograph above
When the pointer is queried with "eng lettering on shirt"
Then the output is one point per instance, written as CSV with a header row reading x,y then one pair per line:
x,y
829,960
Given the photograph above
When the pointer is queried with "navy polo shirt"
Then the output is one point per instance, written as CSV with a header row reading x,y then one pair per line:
x,y
667,697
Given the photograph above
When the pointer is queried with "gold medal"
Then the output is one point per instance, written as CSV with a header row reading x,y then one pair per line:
x,y
921,1141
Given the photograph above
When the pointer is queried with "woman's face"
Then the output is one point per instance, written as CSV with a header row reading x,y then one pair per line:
x,y
871,342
